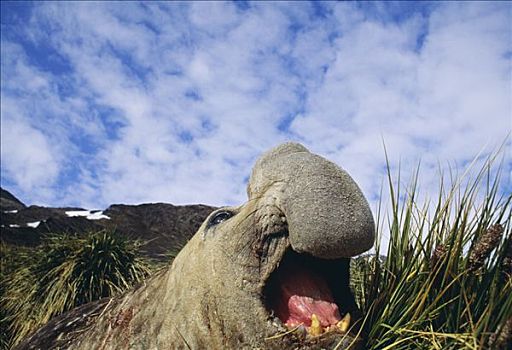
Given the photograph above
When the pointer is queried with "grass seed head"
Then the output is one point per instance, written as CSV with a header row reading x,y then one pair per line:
x,y
506,266
484,246
502,338
437,256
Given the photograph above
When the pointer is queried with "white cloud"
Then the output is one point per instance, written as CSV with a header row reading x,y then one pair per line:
x,y
178,100
442,103
26,153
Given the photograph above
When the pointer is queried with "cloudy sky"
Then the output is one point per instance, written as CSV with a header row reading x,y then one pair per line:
x,y
143,102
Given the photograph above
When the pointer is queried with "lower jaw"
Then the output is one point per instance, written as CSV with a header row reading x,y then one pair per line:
x,y
300,338
314,329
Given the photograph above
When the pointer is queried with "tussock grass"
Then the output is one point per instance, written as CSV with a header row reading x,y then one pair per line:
x,y
445,281
66,271
11,257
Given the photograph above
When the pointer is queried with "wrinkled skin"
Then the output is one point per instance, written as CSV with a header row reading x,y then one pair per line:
x,y
214,295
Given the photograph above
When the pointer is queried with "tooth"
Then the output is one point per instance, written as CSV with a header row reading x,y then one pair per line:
x,y
344,323
316,328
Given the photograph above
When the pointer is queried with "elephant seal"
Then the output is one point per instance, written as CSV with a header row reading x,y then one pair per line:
x,y
272,273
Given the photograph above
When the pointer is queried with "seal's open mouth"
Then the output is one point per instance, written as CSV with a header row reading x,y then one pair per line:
x,y
309,292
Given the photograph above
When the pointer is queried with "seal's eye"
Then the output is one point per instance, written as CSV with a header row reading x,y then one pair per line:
x,y
219,217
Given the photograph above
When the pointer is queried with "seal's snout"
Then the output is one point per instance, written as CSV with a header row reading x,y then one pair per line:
x,y
327,214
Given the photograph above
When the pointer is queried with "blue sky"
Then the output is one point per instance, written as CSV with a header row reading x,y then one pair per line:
x,y
105,102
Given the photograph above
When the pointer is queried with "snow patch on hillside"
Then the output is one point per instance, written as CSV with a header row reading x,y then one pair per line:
x,y
91,215
33,224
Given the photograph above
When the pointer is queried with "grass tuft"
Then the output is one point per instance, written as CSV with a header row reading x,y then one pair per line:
x,y
66,271
445,279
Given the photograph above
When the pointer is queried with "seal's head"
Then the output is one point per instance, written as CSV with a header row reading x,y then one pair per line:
x,y
281,260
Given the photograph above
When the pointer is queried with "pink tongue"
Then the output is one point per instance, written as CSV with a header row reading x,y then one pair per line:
x,y
302,294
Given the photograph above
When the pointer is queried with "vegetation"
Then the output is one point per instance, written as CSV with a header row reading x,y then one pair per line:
x,y
66,271
446,279
11,257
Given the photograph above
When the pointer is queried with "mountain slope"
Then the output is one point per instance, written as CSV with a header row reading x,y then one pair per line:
x,y
164,228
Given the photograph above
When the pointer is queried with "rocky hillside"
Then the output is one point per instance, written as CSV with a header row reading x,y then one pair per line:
x,y
164,228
